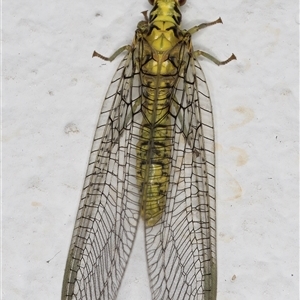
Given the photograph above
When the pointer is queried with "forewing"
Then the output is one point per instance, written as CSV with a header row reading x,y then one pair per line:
x,y
181,248
108,211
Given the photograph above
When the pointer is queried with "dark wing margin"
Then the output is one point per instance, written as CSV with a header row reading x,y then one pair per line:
x,y
109,207
181,248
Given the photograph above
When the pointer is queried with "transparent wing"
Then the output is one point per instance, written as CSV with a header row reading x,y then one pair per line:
x,y
109,208
181,247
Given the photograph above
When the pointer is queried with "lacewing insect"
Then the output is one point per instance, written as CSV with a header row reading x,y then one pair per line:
x,y
152,156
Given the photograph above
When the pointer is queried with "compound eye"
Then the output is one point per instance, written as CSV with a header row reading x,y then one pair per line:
x,y
151,2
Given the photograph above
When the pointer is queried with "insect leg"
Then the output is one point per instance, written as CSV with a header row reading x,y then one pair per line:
x,y
111,58
207,55
203,25
212,58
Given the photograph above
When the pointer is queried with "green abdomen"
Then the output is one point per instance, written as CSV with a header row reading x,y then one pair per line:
x,y
159,75
153,160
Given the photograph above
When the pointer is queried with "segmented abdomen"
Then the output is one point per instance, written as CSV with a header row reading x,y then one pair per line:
x,y
154,158
155,143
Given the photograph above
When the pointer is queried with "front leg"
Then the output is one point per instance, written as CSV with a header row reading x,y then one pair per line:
x,y
205,54
204,25
111,58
